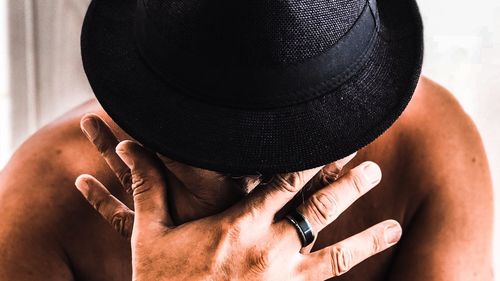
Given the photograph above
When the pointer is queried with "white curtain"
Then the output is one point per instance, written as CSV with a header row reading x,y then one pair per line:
x,y
46,74
4,93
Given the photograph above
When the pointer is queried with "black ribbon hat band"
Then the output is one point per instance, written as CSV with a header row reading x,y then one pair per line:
x,y
220,82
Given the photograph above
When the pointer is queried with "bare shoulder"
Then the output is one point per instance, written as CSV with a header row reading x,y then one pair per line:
x,y
450,236
444,140
47,163
436,114
41,210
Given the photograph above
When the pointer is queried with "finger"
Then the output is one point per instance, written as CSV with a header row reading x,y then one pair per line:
x,y
110,208
148,183
331,172
98,132
324,206
341,257
269,199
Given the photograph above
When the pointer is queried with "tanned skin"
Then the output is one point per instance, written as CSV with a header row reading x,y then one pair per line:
x,y
436,183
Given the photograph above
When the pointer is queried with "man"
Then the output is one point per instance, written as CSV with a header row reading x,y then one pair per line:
x,y
435,184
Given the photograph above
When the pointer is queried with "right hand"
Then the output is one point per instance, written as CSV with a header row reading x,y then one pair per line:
x,y
244,242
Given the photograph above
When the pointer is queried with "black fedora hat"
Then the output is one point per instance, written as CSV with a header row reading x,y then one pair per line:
x,y
249,86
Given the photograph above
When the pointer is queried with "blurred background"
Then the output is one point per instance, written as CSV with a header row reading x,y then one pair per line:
x,y
41,75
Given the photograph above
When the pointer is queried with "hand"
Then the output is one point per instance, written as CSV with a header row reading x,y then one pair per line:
x,y
244,242
198,192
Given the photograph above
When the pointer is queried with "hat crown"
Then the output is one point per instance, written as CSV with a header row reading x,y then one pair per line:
x,y
257,33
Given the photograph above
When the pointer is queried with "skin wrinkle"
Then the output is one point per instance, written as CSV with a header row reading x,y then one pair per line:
x,y
357,182
139,185
329,206
346,261
117,220
321,213
376,243
328,175
121,221
288,182
342,259
125,178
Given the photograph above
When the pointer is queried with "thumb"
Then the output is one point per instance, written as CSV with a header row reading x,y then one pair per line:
x,y
148,183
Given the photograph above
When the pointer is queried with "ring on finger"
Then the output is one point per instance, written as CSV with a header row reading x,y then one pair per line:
x,y
302,226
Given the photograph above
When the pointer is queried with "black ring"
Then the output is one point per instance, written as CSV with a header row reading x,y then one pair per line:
x,y
303,227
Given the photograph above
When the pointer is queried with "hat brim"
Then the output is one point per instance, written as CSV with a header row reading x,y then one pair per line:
x,y
246,141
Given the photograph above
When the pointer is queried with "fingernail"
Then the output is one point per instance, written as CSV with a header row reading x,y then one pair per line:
x,y
82,185
120,150
372,172
392,233
90,127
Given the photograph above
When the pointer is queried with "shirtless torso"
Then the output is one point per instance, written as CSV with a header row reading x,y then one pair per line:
x,y
436,183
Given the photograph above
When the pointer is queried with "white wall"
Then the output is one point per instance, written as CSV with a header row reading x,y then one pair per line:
x,y
463,53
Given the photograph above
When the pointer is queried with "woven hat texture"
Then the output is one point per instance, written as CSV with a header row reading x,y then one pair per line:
x,y
257,34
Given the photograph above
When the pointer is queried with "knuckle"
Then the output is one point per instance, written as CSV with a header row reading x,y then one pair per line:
x,y
125,177
341,259
377,243
291,182
237,226
139,185
357,182
329,174
122,222
231,228
141,182
225,236
323,208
